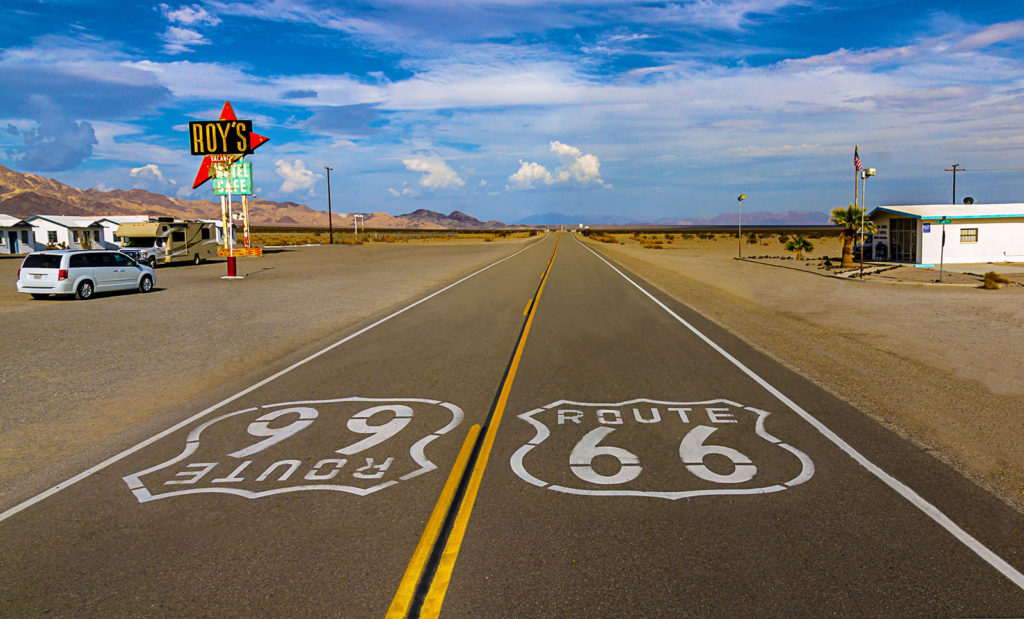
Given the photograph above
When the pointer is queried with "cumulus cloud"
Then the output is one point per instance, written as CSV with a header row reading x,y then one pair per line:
x,y
295,174
56,143
577,168
150,170
193,15
436,172
178,40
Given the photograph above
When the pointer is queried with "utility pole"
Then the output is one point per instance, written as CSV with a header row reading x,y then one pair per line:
x,y
956,168
739,224
330,217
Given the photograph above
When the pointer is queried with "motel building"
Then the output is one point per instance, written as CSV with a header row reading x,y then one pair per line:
x,y
15,235
73,232
975,233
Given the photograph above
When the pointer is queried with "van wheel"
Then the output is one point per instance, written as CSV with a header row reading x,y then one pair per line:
x,y
84,290
39,295
146,284
195,259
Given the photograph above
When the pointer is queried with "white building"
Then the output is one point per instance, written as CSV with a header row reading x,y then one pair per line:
x,y
974,233
66,231
15,235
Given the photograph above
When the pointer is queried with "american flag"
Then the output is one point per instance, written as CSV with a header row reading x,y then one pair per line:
x,y
856,159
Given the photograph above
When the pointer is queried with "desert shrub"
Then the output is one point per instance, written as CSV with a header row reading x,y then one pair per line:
x,y
533,233
686,236
670,237
993,281
604,238
783,238
652,244
752,239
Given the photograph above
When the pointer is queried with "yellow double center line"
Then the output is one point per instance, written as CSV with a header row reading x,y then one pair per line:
x,y
403,600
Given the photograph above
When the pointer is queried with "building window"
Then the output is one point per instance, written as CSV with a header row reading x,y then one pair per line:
x,y
74,235
3,239
51,236
968,235
24,236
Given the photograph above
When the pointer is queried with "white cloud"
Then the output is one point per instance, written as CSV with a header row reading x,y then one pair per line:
x,y
193,15
576,167
529,172
150,170
436,173
178,40
295,174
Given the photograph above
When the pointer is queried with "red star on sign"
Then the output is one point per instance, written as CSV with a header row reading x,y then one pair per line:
x,y
228,113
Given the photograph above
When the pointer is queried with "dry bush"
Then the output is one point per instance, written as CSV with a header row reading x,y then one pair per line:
x,y
993,281
604,238
652,244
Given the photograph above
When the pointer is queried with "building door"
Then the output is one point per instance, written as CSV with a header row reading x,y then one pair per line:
x,y
13,241
903,239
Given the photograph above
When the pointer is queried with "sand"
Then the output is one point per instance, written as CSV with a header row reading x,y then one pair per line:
x,y
941,364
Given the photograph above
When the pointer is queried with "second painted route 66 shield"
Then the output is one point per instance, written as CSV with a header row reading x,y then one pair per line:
x,y
654,448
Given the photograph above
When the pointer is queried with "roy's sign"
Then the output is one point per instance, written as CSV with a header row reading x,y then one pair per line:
x,y
668,450
352,445
220,137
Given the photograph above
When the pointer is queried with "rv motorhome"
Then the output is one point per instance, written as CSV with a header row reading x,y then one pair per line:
x,y
166,240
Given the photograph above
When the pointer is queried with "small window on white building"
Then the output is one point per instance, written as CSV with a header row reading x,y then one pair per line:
x,y
74,235
3,238
51,236
24,236
968,235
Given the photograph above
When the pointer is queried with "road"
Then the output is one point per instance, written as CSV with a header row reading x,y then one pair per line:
x,y
545,437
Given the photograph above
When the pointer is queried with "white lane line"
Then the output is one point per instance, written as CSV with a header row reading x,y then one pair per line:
x,y
905,491
102,465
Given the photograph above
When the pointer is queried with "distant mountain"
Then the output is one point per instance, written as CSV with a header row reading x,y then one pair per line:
x,y
761,218
755,218
24,195
562,219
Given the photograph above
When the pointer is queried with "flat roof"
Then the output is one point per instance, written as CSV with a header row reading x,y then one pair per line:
x,y
954,211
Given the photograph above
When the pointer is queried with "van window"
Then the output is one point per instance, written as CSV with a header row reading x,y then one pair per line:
x,y
206,234
102,260
122,260
178,236
41,261
78,261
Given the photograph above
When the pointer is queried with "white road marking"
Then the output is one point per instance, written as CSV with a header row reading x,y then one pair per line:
x,y
156,437
692,449
1007,570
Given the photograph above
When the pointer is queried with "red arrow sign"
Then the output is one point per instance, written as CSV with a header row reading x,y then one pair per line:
x,y
228,113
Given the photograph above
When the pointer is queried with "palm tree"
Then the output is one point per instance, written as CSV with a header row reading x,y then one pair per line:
x,y
849,218
799,244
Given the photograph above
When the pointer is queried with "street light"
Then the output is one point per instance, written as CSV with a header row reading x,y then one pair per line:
x,y
330,218
865,174
739,225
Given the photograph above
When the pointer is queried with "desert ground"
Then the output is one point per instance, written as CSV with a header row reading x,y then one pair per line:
x,y
936,363
76,373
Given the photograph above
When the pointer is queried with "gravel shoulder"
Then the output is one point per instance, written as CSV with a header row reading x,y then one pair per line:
x,y
75,373
939,364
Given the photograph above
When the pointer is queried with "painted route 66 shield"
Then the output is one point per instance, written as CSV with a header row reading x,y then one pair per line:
x,y
353,445
659,449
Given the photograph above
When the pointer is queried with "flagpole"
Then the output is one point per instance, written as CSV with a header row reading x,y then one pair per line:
x,y
856,179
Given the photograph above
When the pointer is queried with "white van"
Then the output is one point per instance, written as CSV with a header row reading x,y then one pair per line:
x,y
81,273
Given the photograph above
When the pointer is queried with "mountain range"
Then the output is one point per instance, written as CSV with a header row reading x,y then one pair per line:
x,y
24,195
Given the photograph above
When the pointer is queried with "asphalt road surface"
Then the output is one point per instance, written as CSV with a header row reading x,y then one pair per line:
x,y
545,437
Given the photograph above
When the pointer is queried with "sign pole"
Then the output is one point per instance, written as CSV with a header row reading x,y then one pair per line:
x,y
942,249
245,218
231,240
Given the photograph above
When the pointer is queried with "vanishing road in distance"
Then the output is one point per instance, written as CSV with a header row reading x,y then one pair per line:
x,y
549,436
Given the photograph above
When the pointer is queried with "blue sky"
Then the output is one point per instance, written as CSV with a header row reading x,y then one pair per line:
x,y
504,109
